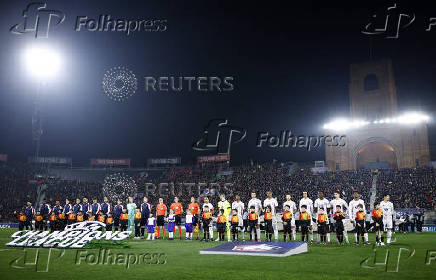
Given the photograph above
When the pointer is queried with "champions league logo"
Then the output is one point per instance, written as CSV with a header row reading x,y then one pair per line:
x,y
74,236
255,248
85,226
264,249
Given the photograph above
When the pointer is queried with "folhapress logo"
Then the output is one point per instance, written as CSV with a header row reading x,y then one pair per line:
x,y
219,136
389,23
38,20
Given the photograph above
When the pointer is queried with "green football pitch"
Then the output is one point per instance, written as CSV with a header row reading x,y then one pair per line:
x,y
412,256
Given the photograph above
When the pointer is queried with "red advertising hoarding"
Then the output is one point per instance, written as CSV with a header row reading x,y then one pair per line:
x,y
110,161
3,157
214,158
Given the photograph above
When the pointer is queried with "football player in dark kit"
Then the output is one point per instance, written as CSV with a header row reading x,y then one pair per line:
x,y
106,206
145,214
29,211
118,210
45,210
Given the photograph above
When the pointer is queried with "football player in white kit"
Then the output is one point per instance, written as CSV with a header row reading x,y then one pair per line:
x,y
254,201
388,214
322,203
293,209
309,204
273,204
352,210
211,209
238,205
338,201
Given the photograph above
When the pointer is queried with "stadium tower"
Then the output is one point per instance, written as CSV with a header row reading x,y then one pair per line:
x,y
382,143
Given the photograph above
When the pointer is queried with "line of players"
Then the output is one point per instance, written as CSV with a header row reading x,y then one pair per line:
x,y
231,217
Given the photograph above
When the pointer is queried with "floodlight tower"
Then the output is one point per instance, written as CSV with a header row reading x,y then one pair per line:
x,y
42,64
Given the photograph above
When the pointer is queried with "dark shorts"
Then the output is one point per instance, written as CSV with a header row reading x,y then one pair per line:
x,y
268,226
322,228
221,227
252,224
339,228
287,228
178,220
360,227
195,220
160,221
206,224
143,222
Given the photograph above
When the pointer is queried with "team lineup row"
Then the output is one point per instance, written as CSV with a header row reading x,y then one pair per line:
x,y
232,218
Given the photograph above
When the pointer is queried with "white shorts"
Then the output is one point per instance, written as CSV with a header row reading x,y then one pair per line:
x,y
387,223
241,221
274,223
293,223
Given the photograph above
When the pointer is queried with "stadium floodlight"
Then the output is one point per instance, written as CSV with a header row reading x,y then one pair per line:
x,y
344,124
42,63
412,117
406,118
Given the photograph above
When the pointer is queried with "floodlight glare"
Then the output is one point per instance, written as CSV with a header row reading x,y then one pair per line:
x,y
42,62
344,124
404,119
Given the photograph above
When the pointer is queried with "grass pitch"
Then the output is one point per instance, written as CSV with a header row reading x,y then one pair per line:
x,y
181,260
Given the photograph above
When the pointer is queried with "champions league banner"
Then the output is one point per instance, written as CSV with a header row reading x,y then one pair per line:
x,y
74,236
264,249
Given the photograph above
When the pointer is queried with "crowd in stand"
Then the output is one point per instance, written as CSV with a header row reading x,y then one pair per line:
x,y
407,187
14,189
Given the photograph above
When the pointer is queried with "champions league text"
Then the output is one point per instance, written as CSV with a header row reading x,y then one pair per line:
x,y
68,238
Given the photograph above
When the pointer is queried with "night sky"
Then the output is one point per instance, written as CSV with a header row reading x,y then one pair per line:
x,y
290,63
